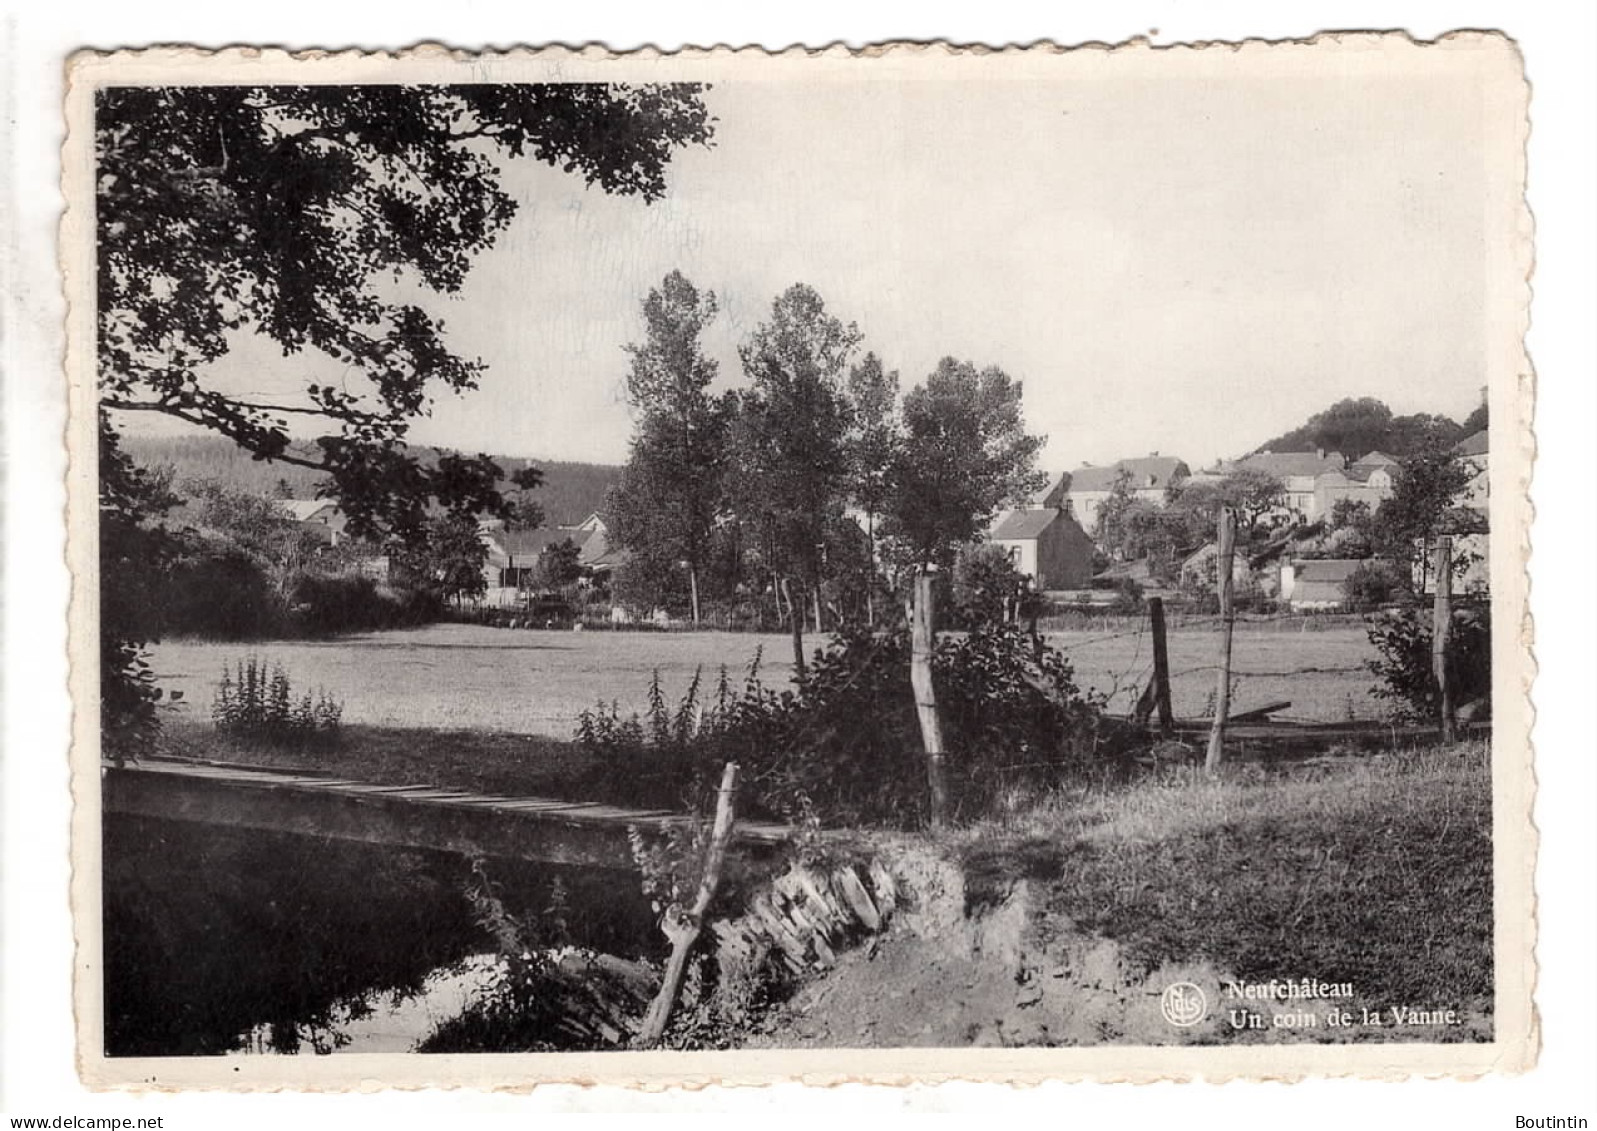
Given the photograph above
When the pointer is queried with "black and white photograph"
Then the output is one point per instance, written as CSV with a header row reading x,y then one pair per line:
x,y
917,561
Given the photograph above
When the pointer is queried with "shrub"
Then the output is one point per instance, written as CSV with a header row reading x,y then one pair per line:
x,y
254,702
987,586
1403,638
847,742
1128,597
220,593
324,604
1371,585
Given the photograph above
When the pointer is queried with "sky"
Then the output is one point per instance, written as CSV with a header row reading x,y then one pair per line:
x,y
1188,266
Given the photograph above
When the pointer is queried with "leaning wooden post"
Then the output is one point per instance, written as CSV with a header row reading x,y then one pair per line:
x,y
1441,633
795,616
1226,548
920,679
1161,668
683,928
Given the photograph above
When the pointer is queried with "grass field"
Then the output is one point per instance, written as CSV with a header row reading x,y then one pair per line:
x,y
470,677
1065,921
1370,871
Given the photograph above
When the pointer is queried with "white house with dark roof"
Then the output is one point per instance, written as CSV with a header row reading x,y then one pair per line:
x,y
1476,451
319,516
1047,545
513,554
1084,491
1298,473
1317,585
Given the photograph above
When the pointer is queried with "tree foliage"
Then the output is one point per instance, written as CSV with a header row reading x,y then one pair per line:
x,y
560,564
258,526
965,454
303,214
446,561
665,508
134,556
790,442
1425,494
873,436
1252,494
292,212
1402,637
1355,427
987,588
1113,515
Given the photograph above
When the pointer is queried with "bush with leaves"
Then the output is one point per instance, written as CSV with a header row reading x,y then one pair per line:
x,y
846,742
1403,638
1373,584
987,586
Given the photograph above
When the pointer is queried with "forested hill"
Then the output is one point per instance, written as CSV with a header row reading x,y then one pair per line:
x,y
570,491
1358,427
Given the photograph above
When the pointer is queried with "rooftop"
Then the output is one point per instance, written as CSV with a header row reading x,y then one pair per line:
x,y
1019,526
1145,472
1283,464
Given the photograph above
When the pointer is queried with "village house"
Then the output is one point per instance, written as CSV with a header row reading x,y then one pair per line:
x,y
1318,584
1298,473
1475,450
1368,481
320,517
512,562
1048,546
1083,492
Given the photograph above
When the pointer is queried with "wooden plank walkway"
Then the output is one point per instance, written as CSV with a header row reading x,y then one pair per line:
x,y
408,816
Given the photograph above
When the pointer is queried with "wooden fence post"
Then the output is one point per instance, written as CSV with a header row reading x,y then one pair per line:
x,y
921,642
1441,633
795,617
1226,547
683,928
1161,668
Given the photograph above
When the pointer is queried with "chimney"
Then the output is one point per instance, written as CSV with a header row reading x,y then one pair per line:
x,y
1320,452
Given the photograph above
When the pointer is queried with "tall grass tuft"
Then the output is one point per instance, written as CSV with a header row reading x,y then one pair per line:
x,y
254,701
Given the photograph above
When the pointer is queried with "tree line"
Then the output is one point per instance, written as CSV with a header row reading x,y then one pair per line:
x,y
813,492
1357,426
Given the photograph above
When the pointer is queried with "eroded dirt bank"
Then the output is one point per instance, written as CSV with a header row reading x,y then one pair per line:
x,y
953,971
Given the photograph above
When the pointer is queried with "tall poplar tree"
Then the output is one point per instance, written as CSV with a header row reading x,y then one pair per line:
x,y
873,439
664,509
791,443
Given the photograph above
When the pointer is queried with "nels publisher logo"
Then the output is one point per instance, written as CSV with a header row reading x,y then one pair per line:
x,y
1183,1004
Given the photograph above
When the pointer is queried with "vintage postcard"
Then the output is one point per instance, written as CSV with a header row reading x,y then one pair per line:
x,y
894,565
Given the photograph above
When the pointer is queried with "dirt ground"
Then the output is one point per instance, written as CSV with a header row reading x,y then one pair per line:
x,y
946,977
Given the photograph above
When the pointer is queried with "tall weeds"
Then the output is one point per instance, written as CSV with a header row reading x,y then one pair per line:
x,y
254,701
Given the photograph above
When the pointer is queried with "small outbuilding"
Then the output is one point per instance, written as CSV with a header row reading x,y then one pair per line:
x,y
1319,584
1048,546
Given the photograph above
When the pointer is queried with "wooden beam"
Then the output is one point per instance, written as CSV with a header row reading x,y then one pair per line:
x,y
556,833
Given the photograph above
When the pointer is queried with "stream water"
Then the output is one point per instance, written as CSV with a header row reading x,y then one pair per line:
x,y
222,940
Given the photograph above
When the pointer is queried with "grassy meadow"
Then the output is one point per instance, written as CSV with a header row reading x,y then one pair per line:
x,y
1372,871
455,677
